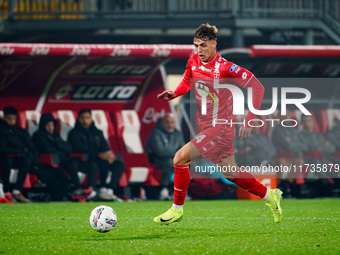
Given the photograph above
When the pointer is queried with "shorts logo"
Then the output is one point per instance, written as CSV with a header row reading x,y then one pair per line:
x,y
193,68
233,68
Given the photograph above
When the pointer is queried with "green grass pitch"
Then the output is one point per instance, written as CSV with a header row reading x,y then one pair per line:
x,y
208,227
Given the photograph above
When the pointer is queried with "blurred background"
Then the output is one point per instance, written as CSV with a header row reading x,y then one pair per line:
x,y
60,56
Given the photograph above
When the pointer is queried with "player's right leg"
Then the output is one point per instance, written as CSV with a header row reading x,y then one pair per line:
x,y
182,159
248,181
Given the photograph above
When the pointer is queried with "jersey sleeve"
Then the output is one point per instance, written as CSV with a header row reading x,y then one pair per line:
x,y
257,96
240,75
184,85
246,79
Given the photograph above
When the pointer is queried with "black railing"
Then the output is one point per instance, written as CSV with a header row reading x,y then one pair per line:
x,y
73,9
326,10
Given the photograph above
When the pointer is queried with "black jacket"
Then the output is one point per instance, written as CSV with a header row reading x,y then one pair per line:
x,y
90,141
50,143
15,140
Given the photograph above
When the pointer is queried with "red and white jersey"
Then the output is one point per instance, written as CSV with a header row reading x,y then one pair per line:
x,y
201,77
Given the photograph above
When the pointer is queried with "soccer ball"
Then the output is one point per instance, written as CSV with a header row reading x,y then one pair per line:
x,y
103,218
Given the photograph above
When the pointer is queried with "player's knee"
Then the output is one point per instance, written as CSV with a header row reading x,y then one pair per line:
x,y
180,159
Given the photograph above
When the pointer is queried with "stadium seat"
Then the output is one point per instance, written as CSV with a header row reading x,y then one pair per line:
x,y
128,125
296,114
29,120
103,122
328,119
27,183
66,121
49,159
139,170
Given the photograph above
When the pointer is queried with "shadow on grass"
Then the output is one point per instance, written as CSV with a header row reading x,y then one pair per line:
x,y
113,238
174,235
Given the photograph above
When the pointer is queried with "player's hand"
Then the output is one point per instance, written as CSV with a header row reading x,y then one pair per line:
x,y
167,95
244,133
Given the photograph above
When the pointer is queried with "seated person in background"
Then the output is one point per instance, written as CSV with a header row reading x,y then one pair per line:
x,y
48,141
163,142
256,150
318,148
289,147
14,140
86,138
333,135
318,151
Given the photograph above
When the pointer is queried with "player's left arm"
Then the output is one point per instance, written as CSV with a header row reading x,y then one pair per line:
x,y
184,85
246,79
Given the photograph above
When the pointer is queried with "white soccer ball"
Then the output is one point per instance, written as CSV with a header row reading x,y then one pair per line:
x,y
103,218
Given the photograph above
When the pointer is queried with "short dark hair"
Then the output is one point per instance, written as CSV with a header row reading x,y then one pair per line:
x,y
206,32
84,110
10,110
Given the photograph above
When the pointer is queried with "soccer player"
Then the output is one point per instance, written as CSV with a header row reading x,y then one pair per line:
x,y
215,142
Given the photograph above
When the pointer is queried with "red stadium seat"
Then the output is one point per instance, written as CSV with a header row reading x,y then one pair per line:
x,y
328,119
66,121
284,154
138,167
33,118
29,120
103,122
296,114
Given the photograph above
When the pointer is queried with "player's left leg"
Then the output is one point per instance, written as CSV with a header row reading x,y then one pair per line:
x,y
187,154
248,181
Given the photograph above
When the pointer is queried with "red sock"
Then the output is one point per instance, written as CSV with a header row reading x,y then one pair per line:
x,y
181,183
248,181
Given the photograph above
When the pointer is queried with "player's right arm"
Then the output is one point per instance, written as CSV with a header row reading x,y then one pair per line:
x,y
182,88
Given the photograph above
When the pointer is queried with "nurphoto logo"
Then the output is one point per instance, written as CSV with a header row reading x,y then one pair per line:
x,y
207,92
